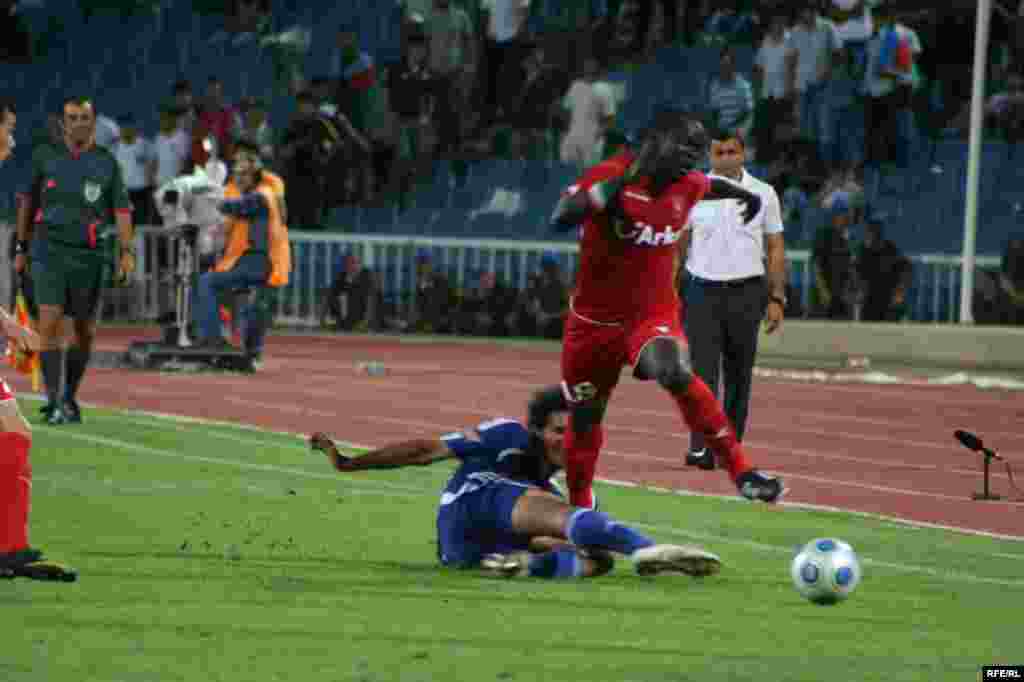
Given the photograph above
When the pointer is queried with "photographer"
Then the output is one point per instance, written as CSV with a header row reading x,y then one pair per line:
x,y
257,255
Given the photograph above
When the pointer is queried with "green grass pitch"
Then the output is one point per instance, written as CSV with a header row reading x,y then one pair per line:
x,y
337,580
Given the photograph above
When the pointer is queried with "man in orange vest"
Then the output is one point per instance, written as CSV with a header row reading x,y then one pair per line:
x,y
256,254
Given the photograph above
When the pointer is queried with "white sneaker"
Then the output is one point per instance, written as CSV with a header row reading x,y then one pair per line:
x,y
506,565
685,559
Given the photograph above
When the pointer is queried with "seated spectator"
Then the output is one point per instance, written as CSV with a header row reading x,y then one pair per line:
x,y
833,263
545,301
534,114
884,274
590,104
999,296
488,310
137,158
352,299
410,86
432,304
730,98
251,124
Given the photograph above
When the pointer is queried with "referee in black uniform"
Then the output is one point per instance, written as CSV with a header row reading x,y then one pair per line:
x,y
725,263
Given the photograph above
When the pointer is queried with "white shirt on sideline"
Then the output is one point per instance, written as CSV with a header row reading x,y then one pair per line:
x,y
722,246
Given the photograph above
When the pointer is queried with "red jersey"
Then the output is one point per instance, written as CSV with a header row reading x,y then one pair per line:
x,y
626,270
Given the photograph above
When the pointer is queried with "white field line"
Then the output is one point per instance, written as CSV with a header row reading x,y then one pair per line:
x,y
360,446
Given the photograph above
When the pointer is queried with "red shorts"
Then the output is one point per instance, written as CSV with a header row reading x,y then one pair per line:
x,y
593,353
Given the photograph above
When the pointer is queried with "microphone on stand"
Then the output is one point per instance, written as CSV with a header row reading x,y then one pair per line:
x,y
973,443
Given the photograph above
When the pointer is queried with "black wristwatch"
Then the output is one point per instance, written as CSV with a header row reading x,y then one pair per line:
x,y
21,246
781,300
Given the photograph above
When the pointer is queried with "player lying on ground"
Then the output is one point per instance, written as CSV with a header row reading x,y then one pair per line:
x,y
500,511
17,559
625,309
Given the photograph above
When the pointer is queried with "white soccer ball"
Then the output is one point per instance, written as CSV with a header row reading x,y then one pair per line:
x,y
825,571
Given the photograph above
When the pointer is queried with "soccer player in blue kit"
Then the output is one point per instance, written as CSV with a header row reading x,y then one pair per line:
x,y
500,511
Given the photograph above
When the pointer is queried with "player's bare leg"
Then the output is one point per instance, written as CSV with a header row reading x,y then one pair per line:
x,y
17,558
664,360
593,534
51,361
583,442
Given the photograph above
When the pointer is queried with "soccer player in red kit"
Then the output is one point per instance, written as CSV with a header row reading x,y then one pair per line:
x,y
625,310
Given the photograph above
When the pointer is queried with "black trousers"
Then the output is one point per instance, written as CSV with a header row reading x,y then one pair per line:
x,y
722,321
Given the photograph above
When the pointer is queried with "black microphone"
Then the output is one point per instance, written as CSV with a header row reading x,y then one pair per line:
x,y
972,442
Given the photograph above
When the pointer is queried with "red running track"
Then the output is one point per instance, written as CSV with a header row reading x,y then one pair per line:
x,y
882,449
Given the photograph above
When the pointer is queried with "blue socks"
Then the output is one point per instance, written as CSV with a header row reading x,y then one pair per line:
x,y
558,563
587,528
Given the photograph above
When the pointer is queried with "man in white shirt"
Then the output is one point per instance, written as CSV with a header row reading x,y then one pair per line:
x,y
591,106
137,158
812,43
723,266
770,84
172,145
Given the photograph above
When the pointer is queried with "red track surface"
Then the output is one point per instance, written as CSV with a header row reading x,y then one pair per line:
x,y
884,449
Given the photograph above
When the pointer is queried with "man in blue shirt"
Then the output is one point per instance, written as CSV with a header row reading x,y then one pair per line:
x,y
501,512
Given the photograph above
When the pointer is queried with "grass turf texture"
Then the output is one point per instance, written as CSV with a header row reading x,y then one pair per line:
x,y
337,580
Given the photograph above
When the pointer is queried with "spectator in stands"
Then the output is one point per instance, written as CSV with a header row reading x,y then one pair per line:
x,y
432,304
1006,110
545,300
590,104
489,309
730,97
172,146
812,45
355,73
137,158
218,116
182,97
889,84
833,262
248,17
108,132
323,90
451,44
251,124
884,274
999,296
847,135
410,87
534,115
729,24
644,19
770,83
506,22
352,299
306,148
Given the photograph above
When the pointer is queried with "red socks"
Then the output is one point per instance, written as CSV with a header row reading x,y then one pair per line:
x,y
581,463
15,491
703,413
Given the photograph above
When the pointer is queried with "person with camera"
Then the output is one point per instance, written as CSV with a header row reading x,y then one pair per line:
x,y
75,189
257,255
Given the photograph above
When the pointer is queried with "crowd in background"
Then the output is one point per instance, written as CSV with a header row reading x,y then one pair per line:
x,y
838,86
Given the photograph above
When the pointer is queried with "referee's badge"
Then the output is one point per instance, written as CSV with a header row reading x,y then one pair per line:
x,y
92,191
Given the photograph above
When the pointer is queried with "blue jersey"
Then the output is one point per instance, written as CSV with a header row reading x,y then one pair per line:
x,y
497,467
500,449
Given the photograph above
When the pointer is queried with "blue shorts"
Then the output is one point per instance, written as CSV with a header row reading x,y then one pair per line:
x,y
480,522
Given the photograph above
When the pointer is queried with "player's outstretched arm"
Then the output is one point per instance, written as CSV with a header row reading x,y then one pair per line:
x,y
394,456
723,189
577,202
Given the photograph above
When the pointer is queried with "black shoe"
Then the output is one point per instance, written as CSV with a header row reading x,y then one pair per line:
x,y
46,409
30,563
703,459
56,417
72,413
756,486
